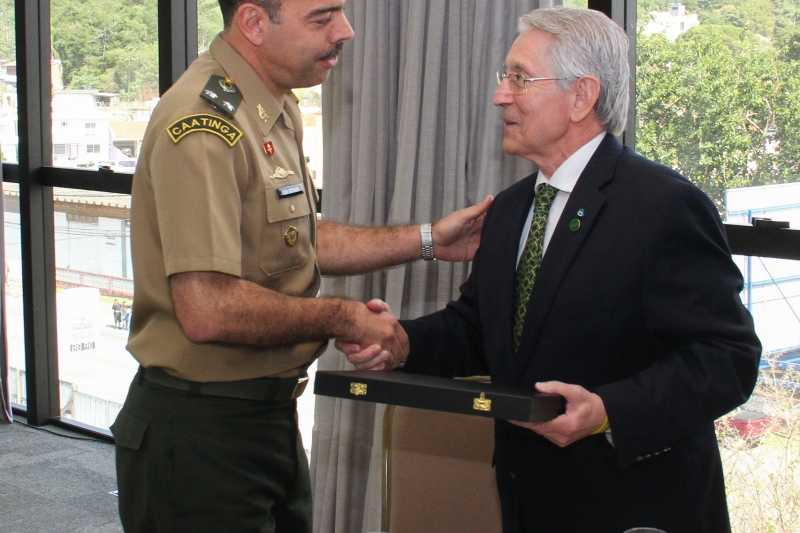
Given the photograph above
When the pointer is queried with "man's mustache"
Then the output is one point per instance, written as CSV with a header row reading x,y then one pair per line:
x,y
334,52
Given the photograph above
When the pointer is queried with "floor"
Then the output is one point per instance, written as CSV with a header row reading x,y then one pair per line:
x,y
55,483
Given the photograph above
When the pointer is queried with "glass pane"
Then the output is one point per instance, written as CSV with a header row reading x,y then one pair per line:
x,y
14,318
311,110
105,81
209,23
717,85
94,284
9,141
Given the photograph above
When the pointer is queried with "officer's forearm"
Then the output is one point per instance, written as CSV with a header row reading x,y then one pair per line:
x,y
346,250
215,307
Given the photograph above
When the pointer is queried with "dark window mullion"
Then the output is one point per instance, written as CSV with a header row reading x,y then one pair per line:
x,y
36,209
87,180
623,12
177,39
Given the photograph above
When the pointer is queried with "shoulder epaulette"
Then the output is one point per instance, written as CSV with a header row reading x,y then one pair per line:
x,y
223,94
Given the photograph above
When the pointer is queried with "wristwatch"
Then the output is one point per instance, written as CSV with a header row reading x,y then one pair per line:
x,y
427,242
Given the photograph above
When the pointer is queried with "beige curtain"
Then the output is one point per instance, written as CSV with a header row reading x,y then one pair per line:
x,y
410,135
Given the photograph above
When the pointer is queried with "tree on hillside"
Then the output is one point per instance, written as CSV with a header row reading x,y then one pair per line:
x,y
787,21
756,16
724,118
113,50
209,23
7,43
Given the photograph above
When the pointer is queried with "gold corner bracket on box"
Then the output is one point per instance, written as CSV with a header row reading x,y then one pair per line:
x,y
358,389
482,404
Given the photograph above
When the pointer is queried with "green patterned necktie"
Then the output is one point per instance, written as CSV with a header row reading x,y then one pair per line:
x,y
531,257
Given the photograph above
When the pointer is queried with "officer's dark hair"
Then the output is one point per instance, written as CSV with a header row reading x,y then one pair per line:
x,y
229,7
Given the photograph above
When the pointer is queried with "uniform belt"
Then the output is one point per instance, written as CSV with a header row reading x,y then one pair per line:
x,y
261,389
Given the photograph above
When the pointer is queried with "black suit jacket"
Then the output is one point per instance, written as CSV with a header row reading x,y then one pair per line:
x,y
639,304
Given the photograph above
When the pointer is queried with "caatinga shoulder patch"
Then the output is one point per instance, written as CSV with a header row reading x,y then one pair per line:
x,y
204,122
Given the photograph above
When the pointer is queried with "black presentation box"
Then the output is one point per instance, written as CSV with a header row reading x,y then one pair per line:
x,y
440,394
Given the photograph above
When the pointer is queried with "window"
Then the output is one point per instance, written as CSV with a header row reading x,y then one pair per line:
x,y
716,99
104,82
93,275
105,79
15,320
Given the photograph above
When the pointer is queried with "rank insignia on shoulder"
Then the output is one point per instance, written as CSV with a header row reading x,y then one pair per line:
x,y
223,94
208,123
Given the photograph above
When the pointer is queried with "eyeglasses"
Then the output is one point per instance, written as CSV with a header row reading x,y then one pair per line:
x,y
519,83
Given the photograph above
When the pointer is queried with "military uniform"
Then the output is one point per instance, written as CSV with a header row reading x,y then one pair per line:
x,y
204,441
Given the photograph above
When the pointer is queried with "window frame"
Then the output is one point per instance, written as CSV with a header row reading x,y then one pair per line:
x,y
36,176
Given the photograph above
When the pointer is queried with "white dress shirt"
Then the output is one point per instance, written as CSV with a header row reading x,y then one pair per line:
x,y
563,179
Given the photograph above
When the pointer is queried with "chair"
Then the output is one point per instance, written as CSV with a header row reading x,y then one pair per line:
x,y
438,474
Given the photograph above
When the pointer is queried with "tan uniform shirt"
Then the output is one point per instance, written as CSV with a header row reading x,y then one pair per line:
x,y
205,198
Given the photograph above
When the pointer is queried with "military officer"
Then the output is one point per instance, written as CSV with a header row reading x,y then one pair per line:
x,y
227,256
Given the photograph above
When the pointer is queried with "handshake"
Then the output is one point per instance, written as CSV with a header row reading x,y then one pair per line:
x,y
379,342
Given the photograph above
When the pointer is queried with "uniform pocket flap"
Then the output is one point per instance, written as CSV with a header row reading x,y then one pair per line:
x,y
128,430
281,209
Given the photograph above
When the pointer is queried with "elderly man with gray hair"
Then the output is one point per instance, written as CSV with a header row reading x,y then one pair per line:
x,y
605,278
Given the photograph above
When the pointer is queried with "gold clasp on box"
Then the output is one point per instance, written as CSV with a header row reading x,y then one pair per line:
x,y
482,404
358,389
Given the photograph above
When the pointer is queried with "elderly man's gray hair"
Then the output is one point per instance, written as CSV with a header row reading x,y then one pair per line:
x,y
588,43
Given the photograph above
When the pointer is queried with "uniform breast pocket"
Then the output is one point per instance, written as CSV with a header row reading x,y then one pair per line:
x,y
287,234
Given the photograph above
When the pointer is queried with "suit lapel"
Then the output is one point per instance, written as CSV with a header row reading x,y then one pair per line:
x,y
565,244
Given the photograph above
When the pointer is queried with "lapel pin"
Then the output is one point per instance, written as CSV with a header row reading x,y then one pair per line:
x,y
574,224
269,149
581,212
262,113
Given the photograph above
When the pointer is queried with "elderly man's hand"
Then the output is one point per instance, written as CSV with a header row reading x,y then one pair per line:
x,y
457,236
376,356
584,415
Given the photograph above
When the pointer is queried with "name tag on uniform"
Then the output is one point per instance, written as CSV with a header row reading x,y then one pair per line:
x,y
290,190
